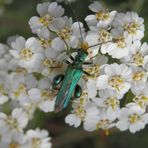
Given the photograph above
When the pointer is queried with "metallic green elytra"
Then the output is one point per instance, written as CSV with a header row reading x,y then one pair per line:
x,y
78,91
73,74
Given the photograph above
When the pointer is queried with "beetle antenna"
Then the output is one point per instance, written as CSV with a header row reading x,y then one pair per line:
x,y
75,15
99,44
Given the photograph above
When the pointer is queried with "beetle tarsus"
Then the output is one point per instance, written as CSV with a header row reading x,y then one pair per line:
x,y
87,73
67,62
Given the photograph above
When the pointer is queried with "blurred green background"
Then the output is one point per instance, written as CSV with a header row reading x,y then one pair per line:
x,y
14,21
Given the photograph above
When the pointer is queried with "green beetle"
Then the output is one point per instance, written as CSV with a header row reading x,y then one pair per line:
x,y
69,85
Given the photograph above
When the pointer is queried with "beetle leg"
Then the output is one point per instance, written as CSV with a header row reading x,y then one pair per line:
x,y
87,73
67,47
87,63
71,57
67,62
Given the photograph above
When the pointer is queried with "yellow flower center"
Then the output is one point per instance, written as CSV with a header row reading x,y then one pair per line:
x,y
113,102
36,143
141,100
12,123
102,124
48,95
116,82
26,54
120,41
21,89
14,145
138,59
52,64
94,72
80,110
65,33
137,76
134,118
131,28
82,99
45,43
102,15
21,70
46,20
104,36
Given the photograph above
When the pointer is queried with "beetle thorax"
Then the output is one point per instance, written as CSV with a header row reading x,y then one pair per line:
x,y
80,58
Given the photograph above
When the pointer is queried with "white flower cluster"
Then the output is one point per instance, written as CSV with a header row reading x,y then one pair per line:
x,y
13,136
113,94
